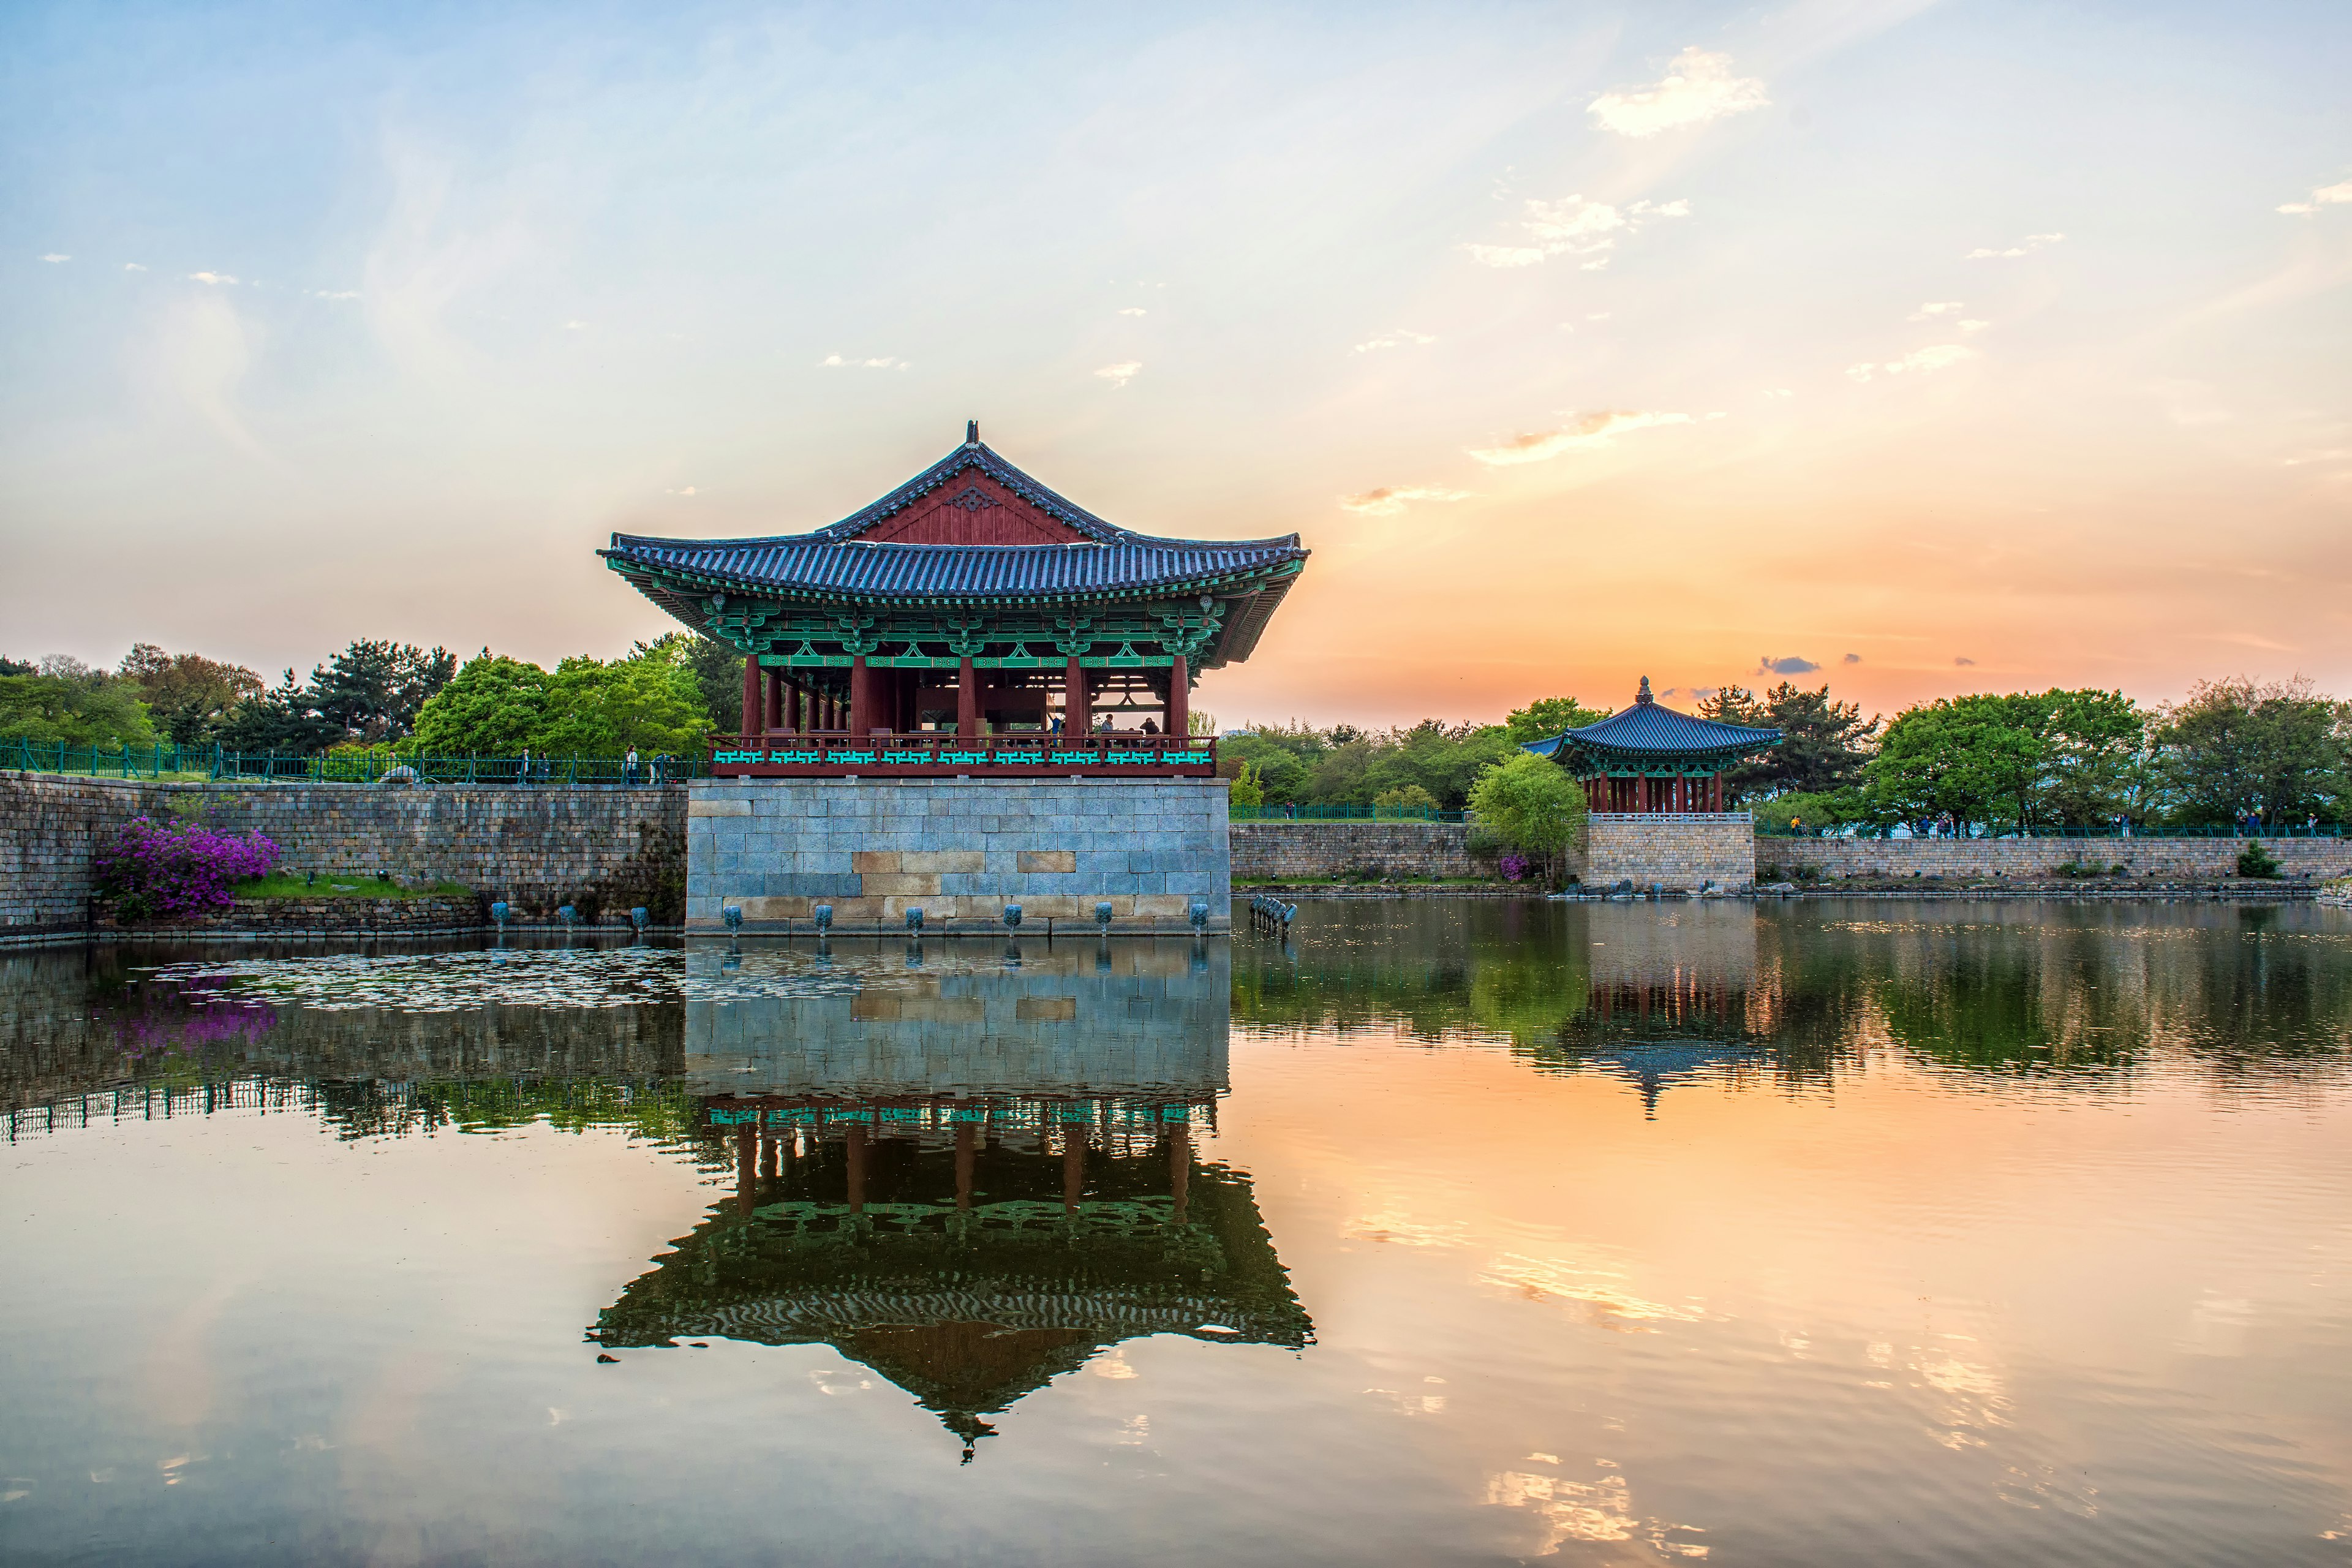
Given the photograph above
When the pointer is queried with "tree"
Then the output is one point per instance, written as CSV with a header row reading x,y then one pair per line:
x,y
2235,746
1246,790
494,707
1547,717
1531,804
598,709
286,719
2094,745
85,710
187,694
1824,743
718,673
374,689
1979,758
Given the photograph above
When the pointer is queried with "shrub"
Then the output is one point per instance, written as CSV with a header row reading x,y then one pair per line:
x,y
1403,801
1246,789
176,868
2255,860
1513,867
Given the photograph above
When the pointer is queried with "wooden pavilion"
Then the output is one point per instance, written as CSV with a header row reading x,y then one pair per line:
x,y
1652,759
970,621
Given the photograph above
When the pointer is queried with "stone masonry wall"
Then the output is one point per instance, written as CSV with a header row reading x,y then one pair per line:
x,y
1332,851
1678,849
1969,859
958,849
603,850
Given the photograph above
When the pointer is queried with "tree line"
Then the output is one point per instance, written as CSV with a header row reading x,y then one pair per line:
x,y
2031,762
668,695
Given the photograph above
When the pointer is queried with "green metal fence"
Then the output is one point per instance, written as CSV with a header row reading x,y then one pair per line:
x,y
204,763
2152,830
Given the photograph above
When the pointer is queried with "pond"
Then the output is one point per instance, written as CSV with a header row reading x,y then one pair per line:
x,y
1442,1231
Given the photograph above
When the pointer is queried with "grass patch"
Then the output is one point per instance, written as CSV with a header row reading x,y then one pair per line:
x,y
343,885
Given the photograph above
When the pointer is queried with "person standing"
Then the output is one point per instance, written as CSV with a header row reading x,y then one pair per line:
x,y
630,770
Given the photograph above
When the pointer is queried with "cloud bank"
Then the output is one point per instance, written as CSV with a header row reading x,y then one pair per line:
x,y
2325,197
2026,246
1927,360
1123,373
1574,226
1390,500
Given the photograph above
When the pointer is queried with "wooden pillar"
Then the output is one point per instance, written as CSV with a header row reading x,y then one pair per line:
x,y
1074,1165
967,699
1179,1167
1180,698
1075,719
964,1130
750,724
775,698
861,697
1714,793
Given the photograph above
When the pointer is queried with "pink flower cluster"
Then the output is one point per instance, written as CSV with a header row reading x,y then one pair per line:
x,y
1513,867
164,869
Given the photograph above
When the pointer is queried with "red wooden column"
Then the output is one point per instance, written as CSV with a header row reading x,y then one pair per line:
x,y
775,700
1075,719
861,697
1180,696
1074,1165
967,699
750,724
1714,793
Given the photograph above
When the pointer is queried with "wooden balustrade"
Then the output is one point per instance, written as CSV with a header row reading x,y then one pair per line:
x,y
837,753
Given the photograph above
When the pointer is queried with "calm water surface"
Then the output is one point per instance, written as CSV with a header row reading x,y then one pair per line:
x,y
1444,1232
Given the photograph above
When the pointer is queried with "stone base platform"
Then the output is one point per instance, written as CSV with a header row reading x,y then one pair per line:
x,y
1685,849
958,850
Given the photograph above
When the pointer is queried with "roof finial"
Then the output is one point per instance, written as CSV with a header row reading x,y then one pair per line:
x,y
1644,696
971,431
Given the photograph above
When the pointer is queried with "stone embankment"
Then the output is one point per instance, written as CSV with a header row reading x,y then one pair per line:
x,y
1311,852
603,851
2154,864
314,917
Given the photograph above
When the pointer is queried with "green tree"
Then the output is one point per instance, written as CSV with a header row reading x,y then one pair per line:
x,y
494,707
719,675
2094,743
1823,742
1979,758
1246,791
1405,800
1531,804
188,695
284,719
375,690
2235,746
85,709
599,710
1547,717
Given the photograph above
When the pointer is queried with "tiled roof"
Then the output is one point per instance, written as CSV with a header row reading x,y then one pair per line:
x,y
1648,730
834,560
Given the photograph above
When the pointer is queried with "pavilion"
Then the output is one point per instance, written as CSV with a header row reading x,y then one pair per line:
x,y
1650,758
927,635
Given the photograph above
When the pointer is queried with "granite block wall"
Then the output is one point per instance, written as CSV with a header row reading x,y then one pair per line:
x,y
1678,849
958,849
602,850
1992,859
1337,852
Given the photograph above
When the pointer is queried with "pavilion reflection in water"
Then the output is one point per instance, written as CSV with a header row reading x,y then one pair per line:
x,y
971,1182
1671,996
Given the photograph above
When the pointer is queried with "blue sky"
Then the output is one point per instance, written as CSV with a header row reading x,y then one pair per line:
x,y
1943,347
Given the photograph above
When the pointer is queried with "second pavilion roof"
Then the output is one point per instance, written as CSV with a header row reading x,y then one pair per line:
x,y
1646,733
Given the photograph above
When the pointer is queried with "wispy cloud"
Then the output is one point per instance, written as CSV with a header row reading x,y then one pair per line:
x,y
575,325
201,354
1134,310
2026,246
2324,196
1123,373
685,491
213,279
1574,226
1787,665
1589,430
835,361
334,293
1698,87
1940,356
1974,324
55,256
132,267
1936,308
1778,392
1396,339
1961,658
1390,500
1852,658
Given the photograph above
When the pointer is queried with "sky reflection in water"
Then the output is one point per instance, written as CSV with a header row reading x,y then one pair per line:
x,y
1446,1231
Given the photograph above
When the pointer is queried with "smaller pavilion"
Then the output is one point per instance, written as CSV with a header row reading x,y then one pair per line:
x,y
1652,759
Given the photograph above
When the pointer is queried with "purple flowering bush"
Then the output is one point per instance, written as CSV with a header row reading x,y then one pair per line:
x,y
1514,866
157,868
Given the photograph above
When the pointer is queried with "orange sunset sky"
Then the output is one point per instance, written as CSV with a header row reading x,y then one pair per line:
x,y
1917,348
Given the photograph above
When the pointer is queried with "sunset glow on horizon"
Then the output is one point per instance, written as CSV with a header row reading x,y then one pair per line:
x,y
1913,348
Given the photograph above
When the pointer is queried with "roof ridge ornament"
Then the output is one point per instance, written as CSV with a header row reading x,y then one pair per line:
x,y
971,431
1644,696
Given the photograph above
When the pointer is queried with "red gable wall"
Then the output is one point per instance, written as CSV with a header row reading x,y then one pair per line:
x,y
972,509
